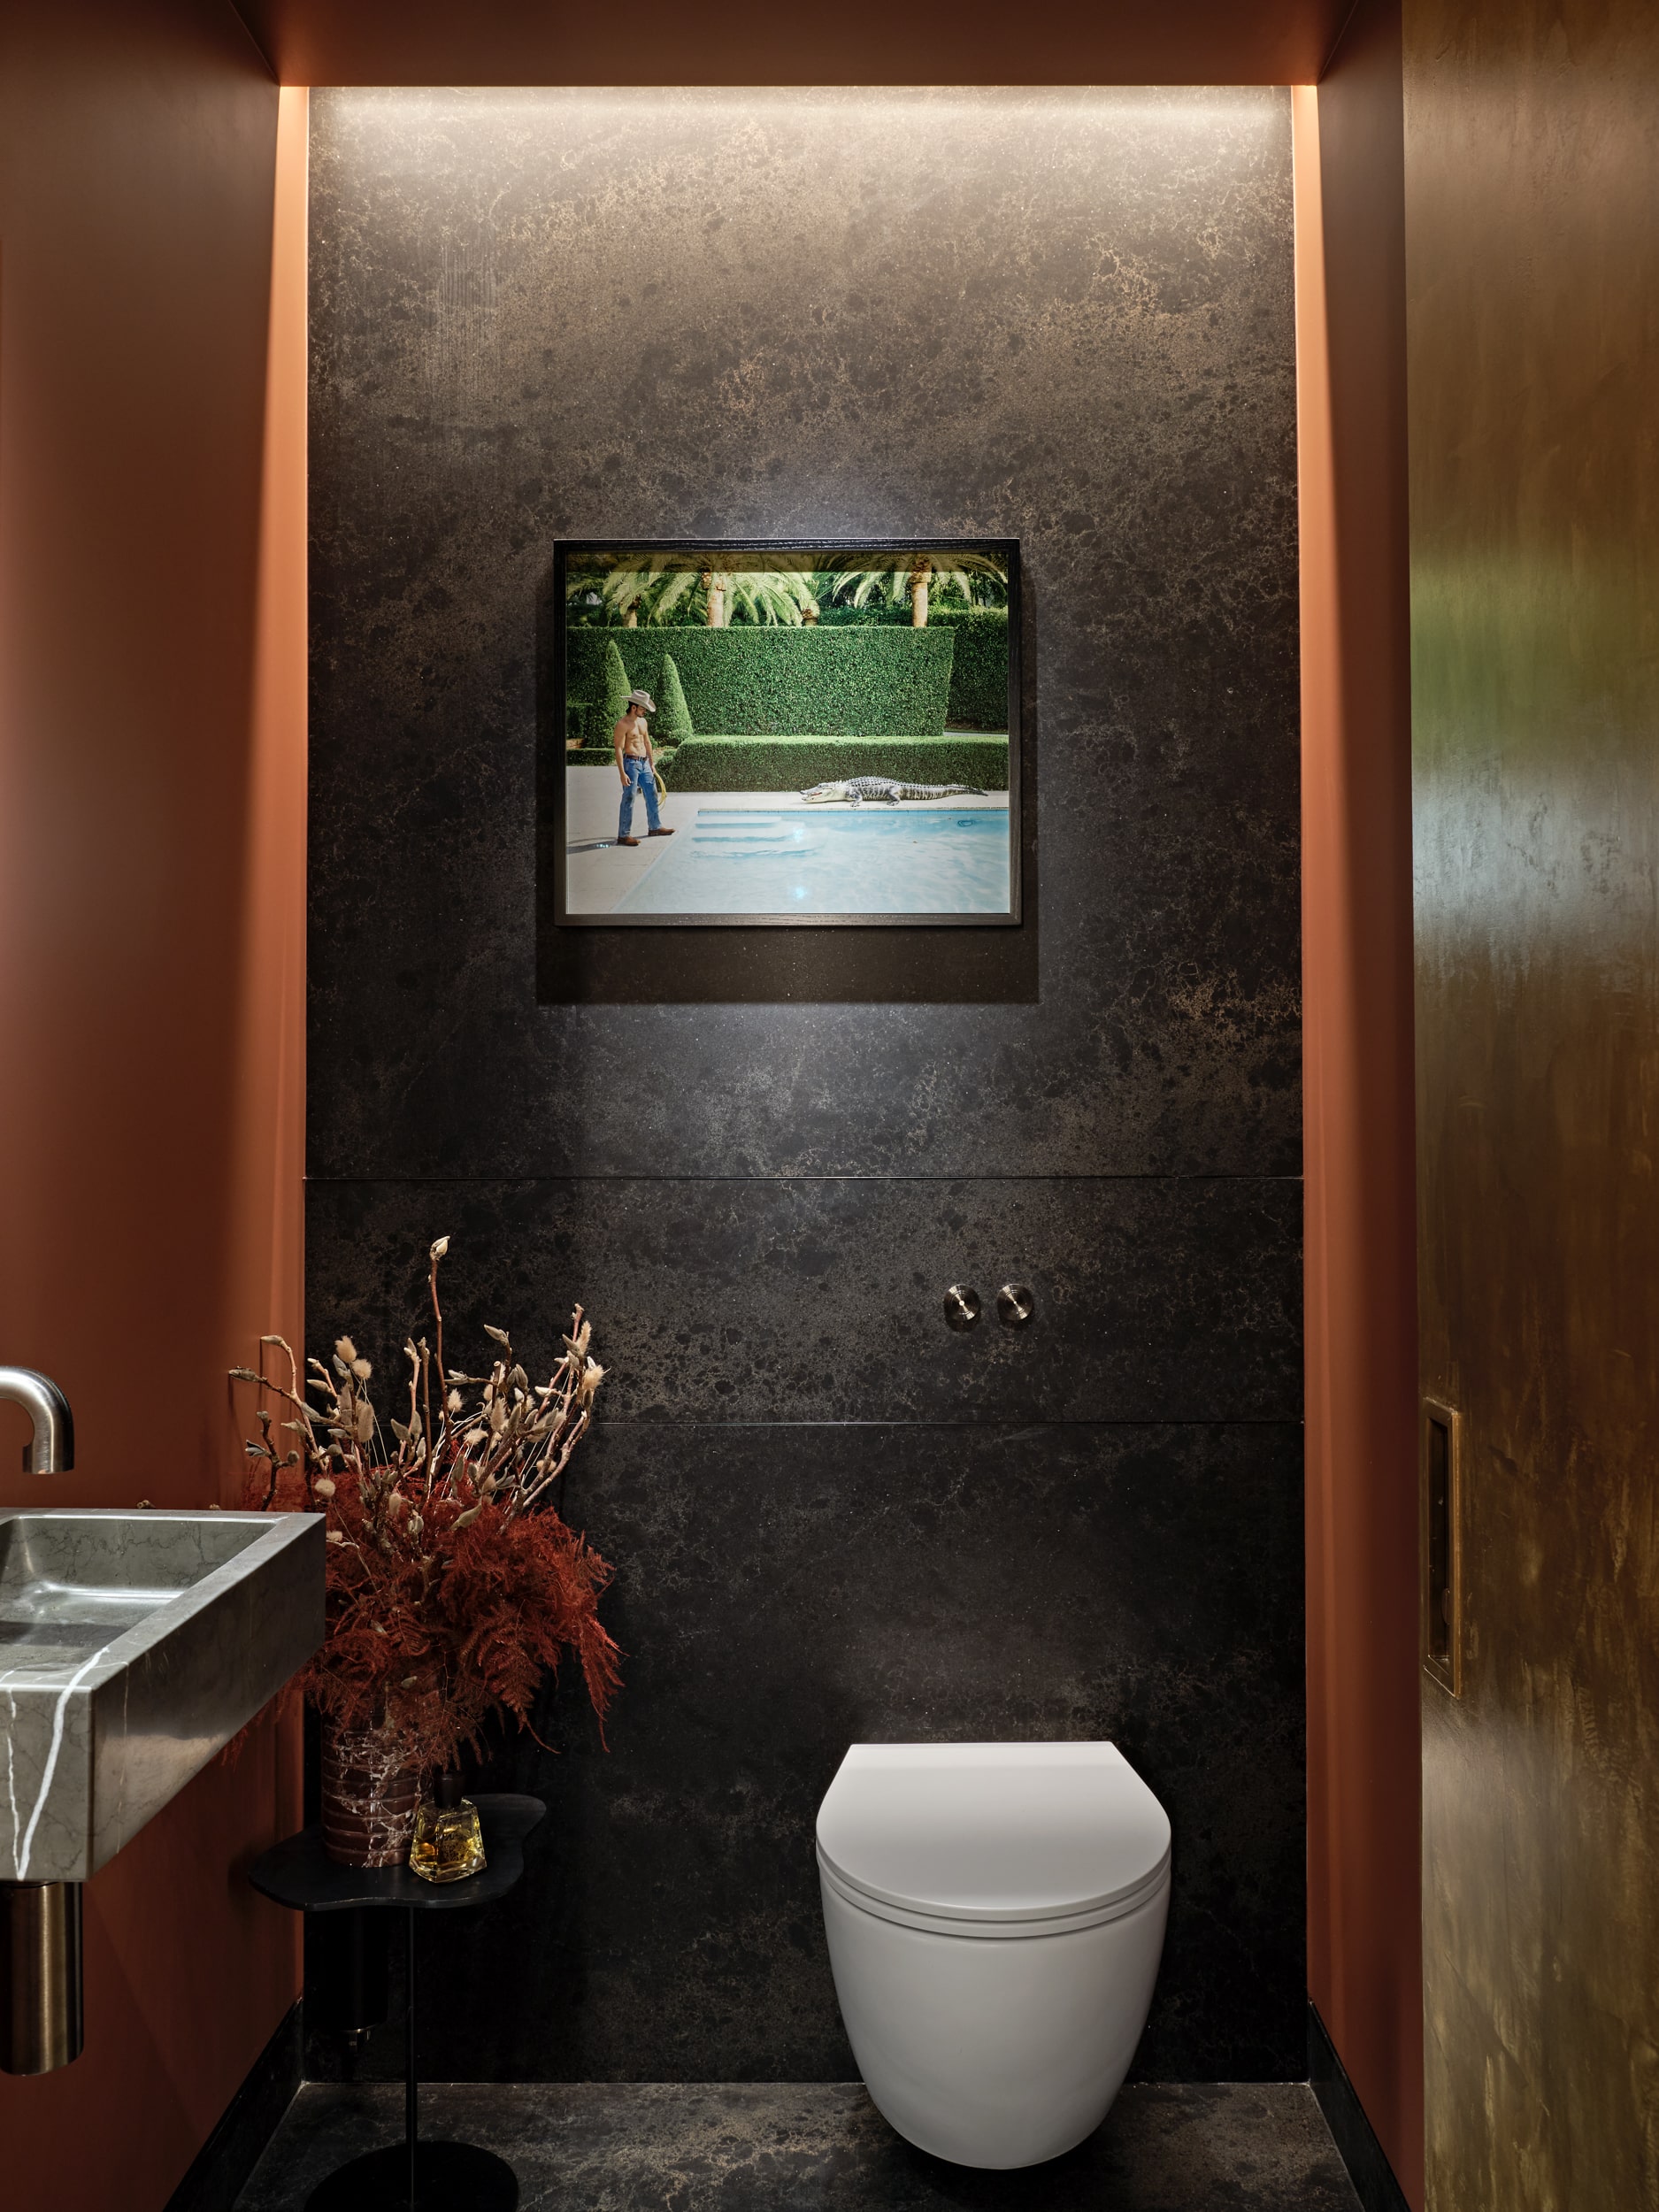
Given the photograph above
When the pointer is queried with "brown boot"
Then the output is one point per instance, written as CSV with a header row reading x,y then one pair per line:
x,y
659,833
627,840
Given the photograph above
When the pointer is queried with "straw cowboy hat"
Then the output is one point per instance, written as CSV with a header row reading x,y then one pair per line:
x,y
642,699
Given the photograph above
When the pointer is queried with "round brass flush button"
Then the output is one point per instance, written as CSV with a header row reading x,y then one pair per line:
x,y
961,1307
1015,1304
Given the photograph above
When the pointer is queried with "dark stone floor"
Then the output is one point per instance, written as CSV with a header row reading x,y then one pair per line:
x,y
619,2146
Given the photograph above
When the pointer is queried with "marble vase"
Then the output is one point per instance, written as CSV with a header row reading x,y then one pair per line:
x,y
370,1795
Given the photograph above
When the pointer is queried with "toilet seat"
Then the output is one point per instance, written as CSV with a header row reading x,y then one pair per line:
x,y
1030,1930
993,1840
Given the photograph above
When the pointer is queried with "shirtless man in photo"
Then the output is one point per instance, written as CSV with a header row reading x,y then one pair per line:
x,y
636,764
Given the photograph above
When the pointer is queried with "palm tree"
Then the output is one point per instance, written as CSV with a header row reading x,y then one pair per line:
x,y
752,594
916,574
653,591
774,594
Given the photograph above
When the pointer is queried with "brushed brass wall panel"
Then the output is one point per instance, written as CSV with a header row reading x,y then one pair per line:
x,y
1533,270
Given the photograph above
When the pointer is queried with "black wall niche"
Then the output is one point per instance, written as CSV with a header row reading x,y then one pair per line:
x,y
1064,318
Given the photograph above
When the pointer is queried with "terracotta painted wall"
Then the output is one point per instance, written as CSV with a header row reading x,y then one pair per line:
x,y
1532,318
1364,1906
152,906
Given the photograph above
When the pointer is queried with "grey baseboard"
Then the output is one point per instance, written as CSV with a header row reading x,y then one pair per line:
x,y
221,2167
1367,2164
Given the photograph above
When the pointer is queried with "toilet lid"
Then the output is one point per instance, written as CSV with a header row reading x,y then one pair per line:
x,y
993,1831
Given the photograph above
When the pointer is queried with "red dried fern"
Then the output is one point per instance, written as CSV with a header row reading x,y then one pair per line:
x,y
454,1586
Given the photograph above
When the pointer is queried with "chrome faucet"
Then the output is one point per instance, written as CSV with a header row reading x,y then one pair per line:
x,y
52,1449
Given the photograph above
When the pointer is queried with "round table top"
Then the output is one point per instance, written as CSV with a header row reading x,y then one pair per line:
x,y
299,1873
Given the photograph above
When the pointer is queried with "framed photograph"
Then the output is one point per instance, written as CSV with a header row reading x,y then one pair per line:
x,y
785,733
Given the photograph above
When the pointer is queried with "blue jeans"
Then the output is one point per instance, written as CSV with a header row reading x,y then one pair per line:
x,y
639,775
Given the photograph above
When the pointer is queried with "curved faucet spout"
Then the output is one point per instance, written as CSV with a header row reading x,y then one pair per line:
x,y
52,1451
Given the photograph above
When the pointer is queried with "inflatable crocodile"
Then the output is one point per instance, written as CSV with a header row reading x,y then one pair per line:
x,y
885,790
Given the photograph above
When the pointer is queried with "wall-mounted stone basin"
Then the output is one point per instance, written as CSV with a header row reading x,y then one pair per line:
x,y
133,1647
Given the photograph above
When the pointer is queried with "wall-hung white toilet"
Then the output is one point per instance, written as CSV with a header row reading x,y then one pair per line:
x,y
996,1917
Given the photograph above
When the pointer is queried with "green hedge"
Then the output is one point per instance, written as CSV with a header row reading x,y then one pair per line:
x,y
979,669
673,716
836,614
977,696
764,679
590,722
604,756
614,687
790,764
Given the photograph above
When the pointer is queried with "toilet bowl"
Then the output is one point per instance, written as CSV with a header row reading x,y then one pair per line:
x,y
996,1916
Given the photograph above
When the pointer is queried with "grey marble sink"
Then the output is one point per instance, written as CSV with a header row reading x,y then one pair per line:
x,y
133,1647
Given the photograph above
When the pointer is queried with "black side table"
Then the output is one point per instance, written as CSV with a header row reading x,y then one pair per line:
x,y
406,2177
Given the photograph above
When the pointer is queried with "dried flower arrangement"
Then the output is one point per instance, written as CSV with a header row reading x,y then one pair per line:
x,y
454,1584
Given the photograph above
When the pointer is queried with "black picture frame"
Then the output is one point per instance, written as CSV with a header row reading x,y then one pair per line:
x,y
552,781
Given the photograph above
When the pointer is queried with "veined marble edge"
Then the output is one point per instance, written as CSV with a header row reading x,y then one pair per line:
x,y
276,1532
123,1650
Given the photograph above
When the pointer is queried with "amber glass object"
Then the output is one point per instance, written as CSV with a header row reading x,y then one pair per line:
x,y
448,1842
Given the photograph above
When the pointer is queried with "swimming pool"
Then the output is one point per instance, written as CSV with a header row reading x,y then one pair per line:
x,y
751,860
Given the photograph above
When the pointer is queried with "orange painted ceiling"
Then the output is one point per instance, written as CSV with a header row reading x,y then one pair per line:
x,y
683,43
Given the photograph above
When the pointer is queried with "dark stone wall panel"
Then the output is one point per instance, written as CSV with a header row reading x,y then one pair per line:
x,y
1064,319
824,1300
785,1591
